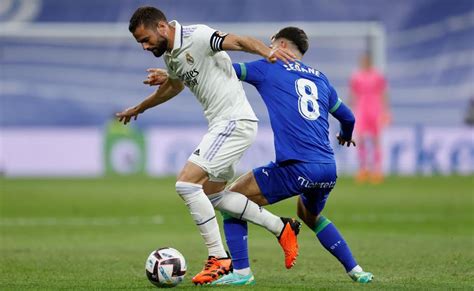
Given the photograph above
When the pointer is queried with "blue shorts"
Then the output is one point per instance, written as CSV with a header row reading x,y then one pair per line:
x,y
312,181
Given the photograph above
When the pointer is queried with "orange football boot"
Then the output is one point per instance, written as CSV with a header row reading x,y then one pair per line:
x,y
213,269
288,240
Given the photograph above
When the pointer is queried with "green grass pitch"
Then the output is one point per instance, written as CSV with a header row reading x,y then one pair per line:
x,y
91,234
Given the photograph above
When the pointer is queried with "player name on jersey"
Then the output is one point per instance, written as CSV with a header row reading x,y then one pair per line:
x,y
296,67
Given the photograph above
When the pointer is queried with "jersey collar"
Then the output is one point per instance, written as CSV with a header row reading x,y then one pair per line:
x,y
178,35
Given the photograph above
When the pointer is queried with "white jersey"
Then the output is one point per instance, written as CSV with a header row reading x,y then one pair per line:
x,y
208,73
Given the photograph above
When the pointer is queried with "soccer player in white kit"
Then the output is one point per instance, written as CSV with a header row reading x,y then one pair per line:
x,y
194,57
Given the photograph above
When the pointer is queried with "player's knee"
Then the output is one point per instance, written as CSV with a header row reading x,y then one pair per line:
x,y
192,173
186,190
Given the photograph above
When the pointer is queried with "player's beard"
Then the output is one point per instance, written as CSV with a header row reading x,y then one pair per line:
x,y
160,49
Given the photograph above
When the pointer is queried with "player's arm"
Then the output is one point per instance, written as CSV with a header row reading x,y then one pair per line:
x,y
165,92
345,117
232,42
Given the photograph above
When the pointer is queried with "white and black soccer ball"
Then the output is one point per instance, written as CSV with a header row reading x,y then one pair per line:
x,y
165,267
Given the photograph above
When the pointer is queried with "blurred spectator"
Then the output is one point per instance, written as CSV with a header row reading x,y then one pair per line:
x,y
368,98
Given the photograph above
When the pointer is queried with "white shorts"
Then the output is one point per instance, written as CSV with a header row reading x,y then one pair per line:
x,y
222,148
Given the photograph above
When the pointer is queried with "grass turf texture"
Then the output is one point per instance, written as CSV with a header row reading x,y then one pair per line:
x,y
96,234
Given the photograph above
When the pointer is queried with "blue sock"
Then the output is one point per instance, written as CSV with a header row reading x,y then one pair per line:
x,y
236,236
333,241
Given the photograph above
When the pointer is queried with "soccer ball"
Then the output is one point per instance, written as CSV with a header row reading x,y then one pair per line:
x,y
165,267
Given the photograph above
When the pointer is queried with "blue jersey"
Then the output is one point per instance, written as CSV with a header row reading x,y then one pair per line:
x,y
299,100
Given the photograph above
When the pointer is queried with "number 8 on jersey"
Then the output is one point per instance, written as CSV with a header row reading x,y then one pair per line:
x,y
308,101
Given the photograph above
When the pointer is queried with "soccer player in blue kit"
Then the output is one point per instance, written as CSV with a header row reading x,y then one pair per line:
x,y
299,100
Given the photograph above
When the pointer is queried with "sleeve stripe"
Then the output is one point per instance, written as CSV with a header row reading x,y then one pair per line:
x,y
219,43
243,71
336,106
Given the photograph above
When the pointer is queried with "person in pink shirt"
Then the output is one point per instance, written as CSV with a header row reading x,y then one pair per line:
x,y
368,98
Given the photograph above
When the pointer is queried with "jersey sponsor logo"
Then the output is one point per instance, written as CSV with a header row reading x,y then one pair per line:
x,y
189,59
197,152
221,34
319,185
265,172
189,78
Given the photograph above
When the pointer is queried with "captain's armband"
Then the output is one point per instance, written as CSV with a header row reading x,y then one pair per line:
x,y
217,38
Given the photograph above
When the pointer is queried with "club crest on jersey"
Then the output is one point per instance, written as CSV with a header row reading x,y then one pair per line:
x,y
189,59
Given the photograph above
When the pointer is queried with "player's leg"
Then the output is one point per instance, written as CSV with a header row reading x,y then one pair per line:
x,y
239,207
238,202
220,160
308,209
236,234
273,181
189,186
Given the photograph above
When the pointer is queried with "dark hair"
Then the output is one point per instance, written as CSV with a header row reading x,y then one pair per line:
x,y
296,36
147,16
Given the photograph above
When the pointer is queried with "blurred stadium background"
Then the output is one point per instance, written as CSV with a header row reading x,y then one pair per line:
x,y
67,66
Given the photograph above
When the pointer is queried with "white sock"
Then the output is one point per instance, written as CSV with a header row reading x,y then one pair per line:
x,y
204,216
243,272
239,206
354,270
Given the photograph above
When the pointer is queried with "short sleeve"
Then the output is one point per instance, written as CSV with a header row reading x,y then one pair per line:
x,y
253,72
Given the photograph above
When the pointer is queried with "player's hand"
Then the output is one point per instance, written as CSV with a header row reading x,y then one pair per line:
x,y
156,77
129,113
283,54
343,141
